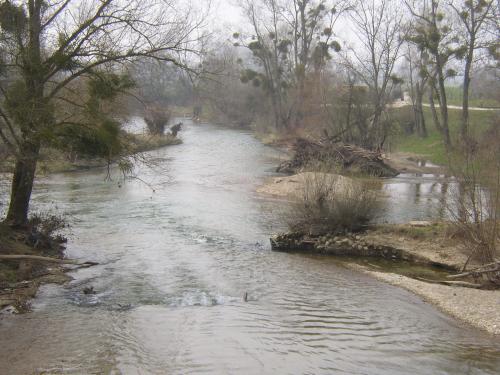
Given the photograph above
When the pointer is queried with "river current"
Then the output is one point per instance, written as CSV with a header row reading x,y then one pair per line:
x,y
180,245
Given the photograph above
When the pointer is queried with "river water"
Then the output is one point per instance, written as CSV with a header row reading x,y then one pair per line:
x,y
177,252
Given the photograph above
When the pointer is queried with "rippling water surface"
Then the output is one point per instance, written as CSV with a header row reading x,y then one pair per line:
x,y
175,263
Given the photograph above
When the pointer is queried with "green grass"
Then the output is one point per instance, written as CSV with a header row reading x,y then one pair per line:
x,y
432,147
454,97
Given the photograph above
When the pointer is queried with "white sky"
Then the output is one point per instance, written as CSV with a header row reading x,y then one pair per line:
x,y
228,16
227,13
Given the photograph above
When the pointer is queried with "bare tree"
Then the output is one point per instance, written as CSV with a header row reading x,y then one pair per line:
x,y
381,31
433,34
50,45
270,46
311,24
418,82
231,101
291,40
473,16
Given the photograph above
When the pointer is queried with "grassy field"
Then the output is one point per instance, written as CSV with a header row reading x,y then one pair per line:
x,y
454,97
432,147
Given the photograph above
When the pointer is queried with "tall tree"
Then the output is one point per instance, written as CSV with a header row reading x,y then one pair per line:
x,y
311,24
473,16
290,39
381,32
418,83
270,47
49,45
433,35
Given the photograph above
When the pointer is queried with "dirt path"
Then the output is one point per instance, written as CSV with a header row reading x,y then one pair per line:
x,y
402,103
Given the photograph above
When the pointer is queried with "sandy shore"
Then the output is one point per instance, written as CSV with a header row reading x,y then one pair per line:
x,y
292,187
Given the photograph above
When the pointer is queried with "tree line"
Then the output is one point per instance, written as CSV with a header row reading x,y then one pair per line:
x,y
328,66
298,54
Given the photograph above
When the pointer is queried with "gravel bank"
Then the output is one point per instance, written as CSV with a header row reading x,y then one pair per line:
x,y
480,308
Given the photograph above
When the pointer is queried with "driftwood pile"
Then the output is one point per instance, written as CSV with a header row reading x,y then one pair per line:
x,y
330,152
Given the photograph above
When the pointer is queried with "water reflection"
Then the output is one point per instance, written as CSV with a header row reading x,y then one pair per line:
x,y
416,196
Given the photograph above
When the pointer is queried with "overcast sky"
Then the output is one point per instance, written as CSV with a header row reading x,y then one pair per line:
x,y
227,15
226,12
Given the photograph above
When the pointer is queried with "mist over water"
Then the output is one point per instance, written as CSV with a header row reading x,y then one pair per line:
x,y
177,255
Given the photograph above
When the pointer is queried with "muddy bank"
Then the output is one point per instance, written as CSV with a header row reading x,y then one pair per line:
x,y
53,161
405,162
21,277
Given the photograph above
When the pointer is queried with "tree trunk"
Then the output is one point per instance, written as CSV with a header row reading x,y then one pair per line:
x,y
420,119
443,108
464,126
377,132
22,185
24,172
434,111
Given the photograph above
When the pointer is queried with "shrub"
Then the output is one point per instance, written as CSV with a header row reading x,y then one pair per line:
x,y
45,230
156,118
332,203
475,204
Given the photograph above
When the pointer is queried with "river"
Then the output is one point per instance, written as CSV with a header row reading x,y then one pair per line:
x,y
180,245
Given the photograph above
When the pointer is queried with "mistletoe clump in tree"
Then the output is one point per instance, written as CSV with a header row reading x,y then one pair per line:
x,y
291,44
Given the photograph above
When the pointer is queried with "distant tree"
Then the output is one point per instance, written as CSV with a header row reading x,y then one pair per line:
x,y
156,118
290,40
230,100
473,35
381,31
417,79
50,45
433,34
312,29
270,47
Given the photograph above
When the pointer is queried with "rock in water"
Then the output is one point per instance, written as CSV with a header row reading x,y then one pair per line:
x,y
89,290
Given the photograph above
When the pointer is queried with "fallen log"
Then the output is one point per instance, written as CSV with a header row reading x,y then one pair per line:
x,y
478,271
38,258
451,283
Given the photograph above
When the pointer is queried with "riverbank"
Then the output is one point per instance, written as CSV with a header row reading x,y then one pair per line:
x,y
419,243
21,277
52,161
